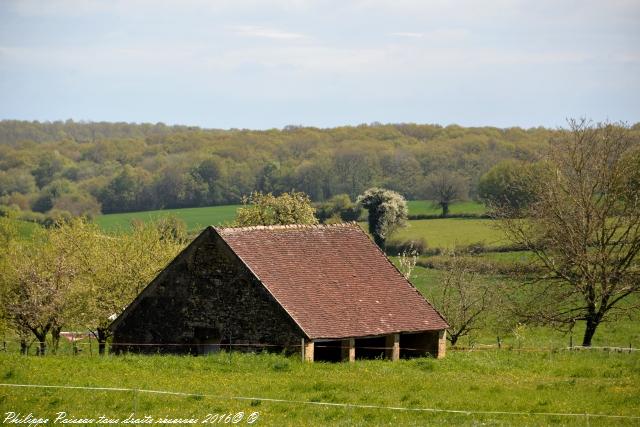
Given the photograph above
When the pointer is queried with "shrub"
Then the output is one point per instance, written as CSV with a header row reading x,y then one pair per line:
x,y
396,247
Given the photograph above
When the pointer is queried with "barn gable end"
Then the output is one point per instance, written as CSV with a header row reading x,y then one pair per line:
x,y
205,299
325,290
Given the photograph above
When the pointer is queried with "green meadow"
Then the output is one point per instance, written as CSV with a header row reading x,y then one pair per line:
x,y
531,385
451,232
428,207
532,380
195,218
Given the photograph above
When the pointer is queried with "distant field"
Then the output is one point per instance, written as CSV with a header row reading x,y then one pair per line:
x,y
198,218
450,232
538,382
195,218
428,207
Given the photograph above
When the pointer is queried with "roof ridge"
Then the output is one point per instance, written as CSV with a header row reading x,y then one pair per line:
x,y
287,226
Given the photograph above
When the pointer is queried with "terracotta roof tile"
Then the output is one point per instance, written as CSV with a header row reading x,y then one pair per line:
x,y
333,280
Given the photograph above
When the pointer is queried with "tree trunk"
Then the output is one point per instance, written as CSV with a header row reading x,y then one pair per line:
x,y
453,339
379,241
41,335
42,344
24,348
102,340
592,325
445,208
55,338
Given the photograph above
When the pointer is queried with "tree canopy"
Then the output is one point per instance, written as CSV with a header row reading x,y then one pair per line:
x,y
584,228
267,209
387,212
92,168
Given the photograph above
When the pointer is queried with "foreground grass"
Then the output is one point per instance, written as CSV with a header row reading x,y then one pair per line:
x,y
566,382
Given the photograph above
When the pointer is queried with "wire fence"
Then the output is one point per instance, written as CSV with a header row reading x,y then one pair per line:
x,y
345,405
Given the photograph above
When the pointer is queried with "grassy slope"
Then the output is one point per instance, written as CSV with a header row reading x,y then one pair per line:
x,y
573,382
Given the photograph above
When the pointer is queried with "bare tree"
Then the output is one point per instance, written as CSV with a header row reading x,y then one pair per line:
x,y
407,261
446,187
462,299
583,228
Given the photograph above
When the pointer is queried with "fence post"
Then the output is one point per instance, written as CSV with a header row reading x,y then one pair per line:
x,y
571,341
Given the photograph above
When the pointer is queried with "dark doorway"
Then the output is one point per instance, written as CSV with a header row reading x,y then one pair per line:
x,y
207,340
370,348
418,344
327,351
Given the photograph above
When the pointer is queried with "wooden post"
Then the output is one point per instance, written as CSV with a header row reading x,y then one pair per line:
x,y
349,350
442,343
392,344
307,350
395,355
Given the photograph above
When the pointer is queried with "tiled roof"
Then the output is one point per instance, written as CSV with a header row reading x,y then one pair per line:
x,y
332,280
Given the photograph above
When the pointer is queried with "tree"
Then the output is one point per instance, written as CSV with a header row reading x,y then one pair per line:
x,y
337,209
462,299
113,269
267,209
387,212
445,188
509,184
584,228
40,277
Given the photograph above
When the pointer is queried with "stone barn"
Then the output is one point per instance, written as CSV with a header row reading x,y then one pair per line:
x,y
326,291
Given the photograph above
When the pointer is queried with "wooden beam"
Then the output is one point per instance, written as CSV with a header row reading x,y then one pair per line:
x,y
352,350
396,347
392,344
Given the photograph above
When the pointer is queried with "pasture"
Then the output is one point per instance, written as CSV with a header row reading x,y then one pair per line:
x,y
532,377
428,207
451,232
195,218
198,218
528,383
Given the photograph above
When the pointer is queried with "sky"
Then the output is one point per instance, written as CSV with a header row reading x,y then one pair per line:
x,y
268,64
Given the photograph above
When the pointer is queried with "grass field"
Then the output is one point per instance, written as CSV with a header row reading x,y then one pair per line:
x,y
198,218
547,382
514,379
428,207
623,332
195,218
451,232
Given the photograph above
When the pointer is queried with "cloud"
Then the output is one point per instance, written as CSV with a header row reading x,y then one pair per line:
x,y
407,34
265,32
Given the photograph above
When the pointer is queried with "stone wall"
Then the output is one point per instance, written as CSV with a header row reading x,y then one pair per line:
x,y
204,300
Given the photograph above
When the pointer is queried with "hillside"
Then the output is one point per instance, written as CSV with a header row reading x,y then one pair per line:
x,y
93,168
